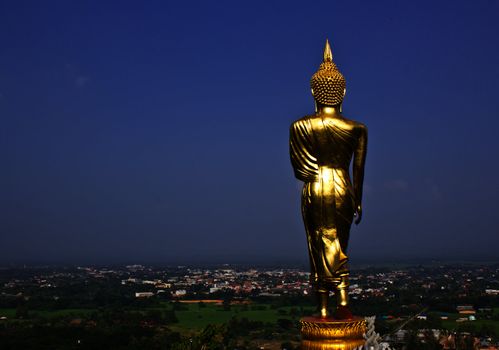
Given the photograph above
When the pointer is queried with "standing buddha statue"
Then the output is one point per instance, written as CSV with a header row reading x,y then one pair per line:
x,y
322,146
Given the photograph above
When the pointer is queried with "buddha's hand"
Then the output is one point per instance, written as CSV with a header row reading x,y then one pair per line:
x,y
358,214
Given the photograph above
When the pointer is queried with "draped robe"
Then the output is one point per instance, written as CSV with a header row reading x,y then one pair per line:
x,y
321,149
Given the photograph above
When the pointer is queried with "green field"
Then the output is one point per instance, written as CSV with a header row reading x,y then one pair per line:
x,y
196,317
191,316
199,317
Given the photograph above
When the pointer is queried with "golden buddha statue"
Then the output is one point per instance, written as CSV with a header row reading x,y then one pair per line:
x,y
322,146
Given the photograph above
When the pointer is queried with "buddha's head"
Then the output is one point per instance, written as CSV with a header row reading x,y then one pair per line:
x,y
328,84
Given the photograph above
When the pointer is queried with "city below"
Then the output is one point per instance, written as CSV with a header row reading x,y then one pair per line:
x,y
434,306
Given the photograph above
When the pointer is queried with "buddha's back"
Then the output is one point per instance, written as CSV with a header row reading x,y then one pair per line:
x,y
335,140
323,140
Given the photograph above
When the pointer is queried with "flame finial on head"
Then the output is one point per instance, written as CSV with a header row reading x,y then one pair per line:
x,y
328,84
328,55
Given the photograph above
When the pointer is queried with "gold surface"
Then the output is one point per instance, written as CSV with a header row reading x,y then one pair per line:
x,y
322,147
346,344
329,334
320,329
328,84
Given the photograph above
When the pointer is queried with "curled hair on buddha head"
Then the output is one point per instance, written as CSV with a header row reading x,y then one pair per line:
x,y
328,84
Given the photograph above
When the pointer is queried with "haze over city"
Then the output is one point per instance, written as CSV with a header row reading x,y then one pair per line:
x,y
158,131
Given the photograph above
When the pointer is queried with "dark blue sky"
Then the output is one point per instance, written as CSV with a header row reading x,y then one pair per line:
x,y
158,131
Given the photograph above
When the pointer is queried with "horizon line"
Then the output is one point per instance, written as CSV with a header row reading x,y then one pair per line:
x,y
235,262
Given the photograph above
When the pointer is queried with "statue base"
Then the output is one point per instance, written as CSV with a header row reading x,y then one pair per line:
x,y
332,334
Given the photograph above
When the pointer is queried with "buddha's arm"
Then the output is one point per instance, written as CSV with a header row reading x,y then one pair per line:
x,y
300,150
359,161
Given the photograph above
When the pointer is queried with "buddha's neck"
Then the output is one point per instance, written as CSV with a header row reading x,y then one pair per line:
x,y
330,110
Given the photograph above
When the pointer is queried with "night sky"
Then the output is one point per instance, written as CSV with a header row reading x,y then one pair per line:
x,y
158,131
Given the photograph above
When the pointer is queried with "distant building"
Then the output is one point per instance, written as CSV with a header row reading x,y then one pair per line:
x,y
486,310
269,295
466,310
75,322
180,292
144,294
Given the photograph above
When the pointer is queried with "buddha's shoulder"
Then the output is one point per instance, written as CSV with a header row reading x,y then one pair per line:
x,y
356,125
309,120
303,122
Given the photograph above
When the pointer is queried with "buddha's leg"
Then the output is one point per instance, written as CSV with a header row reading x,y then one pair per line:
x,y
342,291
311,221
343,224
314,219
323,298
